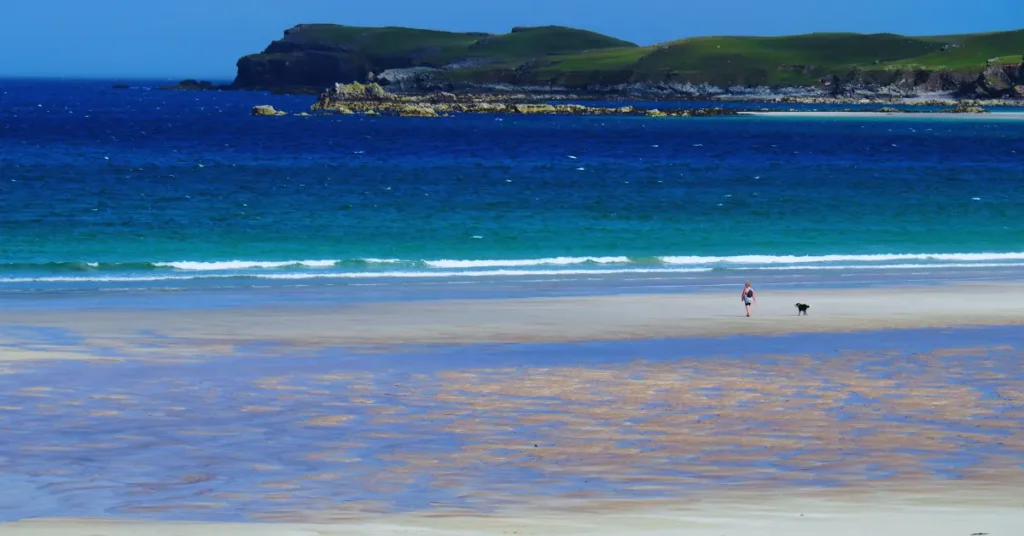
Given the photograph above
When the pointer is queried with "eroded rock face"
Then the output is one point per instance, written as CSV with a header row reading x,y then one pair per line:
x,y
995,82
357,91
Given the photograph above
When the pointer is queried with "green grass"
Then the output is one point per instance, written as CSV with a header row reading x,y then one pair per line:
x,y
386,40
570,56
545,41
798,59
611,59
974,50
437,47
778,60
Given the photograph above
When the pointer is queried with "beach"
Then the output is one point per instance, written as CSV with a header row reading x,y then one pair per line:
x,y
649,315
990,116
889,409
212,323
885,515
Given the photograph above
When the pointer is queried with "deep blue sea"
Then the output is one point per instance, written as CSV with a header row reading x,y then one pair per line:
x,y
140,185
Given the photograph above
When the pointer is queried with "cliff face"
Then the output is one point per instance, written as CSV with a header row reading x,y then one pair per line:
x,y
991,82
296,61
308,69
310,57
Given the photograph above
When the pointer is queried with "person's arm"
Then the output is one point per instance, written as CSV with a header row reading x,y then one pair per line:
x,y
755,297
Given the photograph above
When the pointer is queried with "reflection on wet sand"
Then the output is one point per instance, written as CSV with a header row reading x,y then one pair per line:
x,y
237,438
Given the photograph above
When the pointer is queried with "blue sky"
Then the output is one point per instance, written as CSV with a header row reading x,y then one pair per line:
x,y
204,38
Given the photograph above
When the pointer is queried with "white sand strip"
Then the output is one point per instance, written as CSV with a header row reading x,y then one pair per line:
x,y
1000,116
878,516
558,319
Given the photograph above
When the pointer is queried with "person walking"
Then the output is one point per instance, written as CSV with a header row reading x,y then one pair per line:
x,y
748,297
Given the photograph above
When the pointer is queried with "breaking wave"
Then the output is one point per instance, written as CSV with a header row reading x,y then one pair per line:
x,y
362,268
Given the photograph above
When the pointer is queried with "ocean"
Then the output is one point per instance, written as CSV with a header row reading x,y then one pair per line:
x,y
112,187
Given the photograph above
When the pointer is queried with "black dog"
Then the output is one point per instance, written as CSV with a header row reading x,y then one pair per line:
x,y
801,308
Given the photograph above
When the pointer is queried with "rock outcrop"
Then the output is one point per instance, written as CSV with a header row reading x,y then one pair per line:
x,y
964,107
266,110
991,82
373,99
995,82
193,85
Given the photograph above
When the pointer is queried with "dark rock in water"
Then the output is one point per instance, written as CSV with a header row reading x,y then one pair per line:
x,y
192,85
968,108
120,86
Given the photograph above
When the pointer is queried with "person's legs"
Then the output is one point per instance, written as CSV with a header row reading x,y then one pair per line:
x,y
748,307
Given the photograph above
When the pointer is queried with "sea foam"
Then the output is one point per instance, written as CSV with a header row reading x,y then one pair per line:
x,y
242,265
488,263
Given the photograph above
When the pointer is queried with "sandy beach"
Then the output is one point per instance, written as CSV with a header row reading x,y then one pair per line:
x,y
886,410
884,514
504,320
993,116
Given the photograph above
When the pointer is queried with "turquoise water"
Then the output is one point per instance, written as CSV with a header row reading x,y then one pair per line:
x,y
103,185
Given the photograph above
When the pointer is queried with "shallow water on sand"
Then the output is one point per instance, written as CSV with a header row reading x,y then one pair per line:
x,y
267,432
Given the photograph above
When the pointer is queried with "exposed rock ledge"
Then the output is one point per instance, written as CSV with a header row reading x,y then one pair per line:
x,y
373,99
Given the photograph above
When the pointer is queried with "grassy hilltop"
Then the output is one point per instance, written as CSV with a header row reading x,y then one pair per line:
x,y
318,55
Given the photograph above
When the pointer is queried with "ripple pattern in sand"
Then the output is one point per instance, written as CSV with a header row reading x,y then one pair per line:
x,y
282,437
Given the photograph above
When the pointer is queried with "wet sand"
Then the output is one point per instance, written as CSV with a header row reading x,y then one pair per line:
x,y
969,512
516,320
600,414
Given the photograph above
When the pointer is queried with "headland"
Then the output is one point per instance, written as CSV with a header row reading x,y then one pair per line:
x,y
556,60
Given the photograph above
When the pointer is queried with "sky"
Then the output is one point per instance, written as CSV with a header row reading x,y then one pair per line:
x,y
176,39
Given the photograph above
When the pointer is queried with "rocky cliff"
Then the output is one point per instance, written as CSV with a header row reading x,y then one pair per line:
x,y
989,82
313,56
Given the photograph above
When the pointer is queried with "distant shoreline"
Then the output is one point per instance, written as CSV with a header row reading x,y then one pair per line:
x,y
809,95
374,99
1010,116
